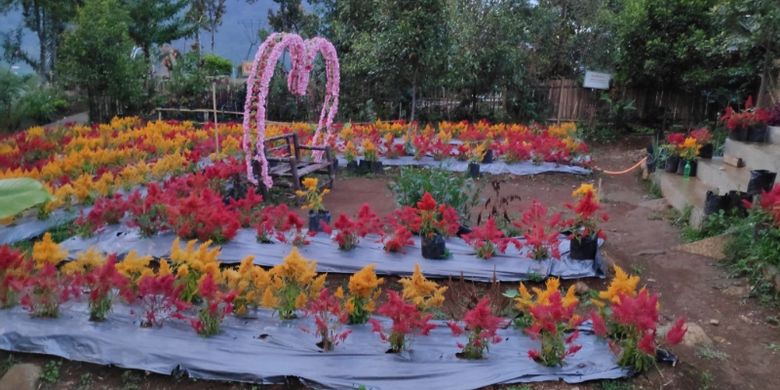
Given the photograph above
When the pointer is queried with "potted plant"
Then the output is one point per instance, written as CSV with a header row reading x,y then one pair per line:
x,y
312,197
749,124
688,151
704,138
476,155
350,153
370,162
488,157
671,151
481,326
583,228
435,223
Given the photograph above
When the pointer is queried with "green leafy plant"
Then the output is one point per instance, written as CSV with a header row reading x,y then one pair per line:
x,y
51,372
446,187
19,194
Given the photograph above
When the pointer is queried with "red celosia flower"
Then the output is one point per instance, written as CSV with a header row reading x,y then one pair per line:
x,y
599,325
647,343
400,238
427,203
482,326
247,207
675,138
407,319
676,333
640,310
489,239
104,283
549,321
160,297
11,261
45,289
329,316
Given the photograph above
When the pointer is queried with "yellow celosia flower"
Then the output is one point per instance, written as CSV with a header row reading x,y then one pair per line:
x,y
424,293
47,251
296,268
85,261
36,132
133,265
583,190
201,260
339,293
622,283
363,282
164,269
525,299
269,300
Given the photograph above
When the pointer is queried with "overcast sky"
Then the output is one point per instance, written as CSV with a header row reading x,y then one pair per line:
x,y
241,22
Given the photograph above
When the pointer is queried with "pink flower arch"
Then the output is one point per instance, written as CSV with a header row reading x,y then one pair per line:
x,y
302,55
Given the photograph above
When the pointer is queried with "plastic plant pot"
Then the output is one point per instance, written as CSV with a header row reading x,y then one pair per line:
x,y
377,167
434,247
316,218
352,166
671,164
706,151
761,180
737,202
473,170
757,133
488,157
583,249
739,134
364,167
713,203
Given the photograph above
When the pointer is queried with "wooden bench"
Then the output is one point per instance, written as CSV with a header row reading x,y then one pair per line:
x,y
283,154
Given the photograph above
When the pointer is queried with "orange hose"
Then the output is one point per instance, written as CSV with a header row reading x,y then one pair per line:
x,y
642,161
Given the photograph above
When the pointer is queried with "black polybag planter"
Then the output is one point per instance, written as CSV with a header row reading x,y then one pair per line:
x,y
316,219
681,167
713,203
706,151
352,166
488,157
473,170
739,134
364,167
757,133
377,167
434,247
737,204
761,180
463,229
671,163
583,249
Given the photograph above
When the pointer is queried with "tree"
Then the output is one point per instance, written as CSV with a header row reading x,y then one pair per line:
x,y
154,22
487,50
749,30
405,48
292,17
95,57
48,19
661,43
207,15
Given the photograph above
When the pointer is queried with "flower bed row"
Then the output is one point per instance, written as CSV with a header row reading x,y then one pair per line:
x,y
200,206
80,164
190,286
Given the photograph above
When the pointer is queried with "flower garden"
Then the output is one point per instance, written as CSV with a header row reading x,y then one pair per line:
x,y
176,255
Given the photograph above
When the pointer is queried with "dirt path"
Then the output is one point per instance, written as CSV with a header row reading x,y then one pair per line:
x,y
743,350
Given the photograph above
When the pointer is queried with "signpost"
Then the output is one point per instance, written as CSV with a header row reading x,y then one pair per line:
x,y
597,80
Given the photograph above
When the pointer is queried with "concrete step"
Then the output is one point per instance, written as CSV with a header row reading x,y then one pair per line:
x,y
774,135
681,193
756,156
724,177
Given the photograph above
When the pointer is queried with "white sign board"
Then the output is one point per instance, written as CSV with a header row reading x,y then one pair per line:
x,y
597,80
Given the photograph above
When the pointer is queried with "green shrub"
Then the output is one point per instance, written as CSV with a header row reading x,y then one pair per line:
x,y
215,65
454,189
754,252
25,101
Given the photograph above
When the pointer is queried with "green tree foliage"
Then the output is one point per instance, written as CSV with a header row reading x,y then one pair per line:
x,y
95,58
154,22
25,101
206,15
48,19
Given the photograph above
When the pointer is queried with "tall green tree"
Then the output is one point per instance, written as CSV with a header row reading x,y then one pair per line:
x,y
95,58
404,51
48,19
206,15
154,22
487,49
749,32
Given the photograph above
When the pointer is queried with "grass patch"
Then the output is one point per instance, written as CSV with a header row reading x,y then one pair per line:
x,y
711,354
51,372
6,364
615,385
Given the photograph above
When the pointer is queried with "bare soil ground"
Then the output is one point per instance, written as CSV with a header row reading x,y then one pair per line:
x,y
745,348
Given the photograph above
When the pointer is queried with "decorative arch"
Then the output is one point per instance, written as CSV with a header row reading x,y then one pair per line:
x,y
302,56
